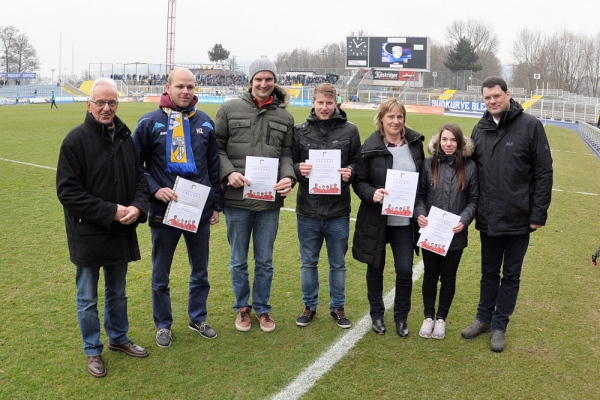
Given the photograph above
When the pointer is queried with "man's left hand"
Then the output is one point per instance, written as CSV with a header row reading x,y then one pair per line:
x,y
133,213
215,218
284,187
346,173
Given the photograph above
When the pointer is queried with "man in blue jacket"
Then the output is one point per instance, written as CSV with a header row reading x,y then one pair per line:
x,y
179,140
515,187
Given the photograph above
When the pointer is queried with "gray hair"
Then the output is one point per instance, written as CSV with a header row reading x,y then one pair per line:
x,y
103,81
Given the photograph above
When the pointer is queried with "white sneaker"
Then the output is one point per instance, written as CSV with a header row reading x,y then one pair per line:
x,y
426,328
439,330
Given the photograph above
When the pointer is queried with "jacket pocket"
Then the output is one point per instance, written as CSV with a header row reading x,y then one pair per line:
x,y
275,134
87,229
239,131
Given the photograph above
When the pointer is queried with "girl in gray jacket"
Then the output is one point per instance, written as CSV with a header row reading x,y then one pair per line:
x,y
448,180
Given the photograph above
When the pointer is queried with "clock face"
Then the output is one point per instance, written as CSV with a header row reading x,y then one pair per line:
x,y
357,47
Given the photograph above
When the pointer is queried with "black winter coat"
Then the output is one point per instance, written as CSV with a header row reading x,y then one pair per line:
x,y
313,134
94,174
371,171
445,196
515,172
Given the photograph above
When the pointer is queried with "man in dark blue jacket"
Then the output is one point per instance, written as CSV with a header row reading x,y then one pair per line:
x,y
104,193
188,136
515,187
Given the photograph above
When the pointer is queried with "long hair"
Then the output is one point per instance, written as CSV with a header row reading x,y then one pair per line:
x,y
460,158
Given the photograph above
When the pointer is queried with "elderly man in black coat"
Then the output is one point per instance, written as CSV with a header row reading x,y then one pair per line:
x,y
104,193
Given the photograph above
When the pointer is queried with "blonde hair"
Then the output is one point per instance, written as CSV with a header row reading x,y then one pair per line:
x,y
385,108
326,89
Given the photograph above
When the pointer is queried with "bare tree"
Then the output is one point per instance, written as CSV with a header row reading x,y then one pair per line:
x,y
25,55
438,52
18,54
483,40
593,66
8,36
529,53
329,57
564,60
232,63
358,33
333,56
567,62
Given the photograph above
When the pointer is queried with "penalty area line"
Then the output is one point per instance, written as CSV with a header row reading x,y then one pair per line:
x,y
337,351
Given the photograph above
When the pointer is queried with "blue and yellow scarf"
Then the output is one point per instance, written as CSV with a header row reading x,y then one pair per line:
x,y
180,158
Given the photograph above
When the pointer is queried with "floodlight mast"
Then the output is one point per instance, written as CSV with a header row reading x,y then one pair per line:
x,y
171,36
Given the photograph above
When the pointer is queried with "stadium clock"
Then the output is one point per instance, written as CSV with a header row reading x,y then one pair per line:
x,y
357,47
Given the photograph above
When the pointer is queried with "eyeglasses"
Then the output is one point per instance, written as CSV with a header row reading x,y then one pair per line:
x,y
102,103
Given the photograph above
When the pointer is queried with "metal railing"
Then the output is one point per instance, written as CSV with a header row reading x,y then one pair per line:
x,y
591,135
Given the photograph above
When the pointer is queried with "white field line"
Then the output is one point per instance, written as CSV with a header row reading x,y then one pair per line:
x,y
339,349
26,163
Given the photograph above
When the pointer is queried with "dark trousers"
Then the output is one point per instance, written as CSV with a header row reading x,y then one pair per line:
x,y
164,243
401,241
443,269
498,296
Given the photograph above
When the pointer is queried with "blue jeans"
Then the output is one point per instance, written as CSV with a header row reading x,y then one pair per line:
x,y
498,297
311,232
164,243
116,323
400,239
262,226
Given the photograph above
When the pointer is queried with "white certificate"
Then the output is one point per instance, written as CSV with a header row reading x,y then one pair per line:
x,y
324,177
262,173
402,190
437,235
185,213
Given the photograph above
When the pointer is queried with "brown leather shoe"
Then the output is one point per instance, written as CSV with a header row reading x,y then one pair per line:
x,y
130,348
96,366
266,322
242,320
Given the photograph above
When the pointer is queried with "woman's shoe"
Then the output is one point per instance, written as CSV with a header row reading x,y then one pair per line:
x,y
402,329
378,326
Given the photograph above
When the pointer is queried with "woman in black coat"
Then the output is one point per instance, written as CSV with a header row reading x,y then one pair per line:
x,y
448,181
392,146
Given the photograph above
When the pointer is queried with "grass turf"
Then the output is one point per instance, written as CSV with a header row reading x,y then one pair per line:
x,y
552,342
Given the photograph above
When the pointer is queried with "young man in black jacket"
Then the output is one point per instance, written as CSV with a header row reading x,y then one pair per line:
x,y
324,216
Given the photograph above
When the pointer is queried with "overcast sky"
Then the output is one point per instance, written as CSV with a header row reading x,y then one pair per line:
x,y
125,31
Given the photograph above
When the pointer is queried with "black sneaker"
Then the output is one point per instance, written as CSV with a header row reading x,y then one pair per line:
x,y
340,318
306,317
204,329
